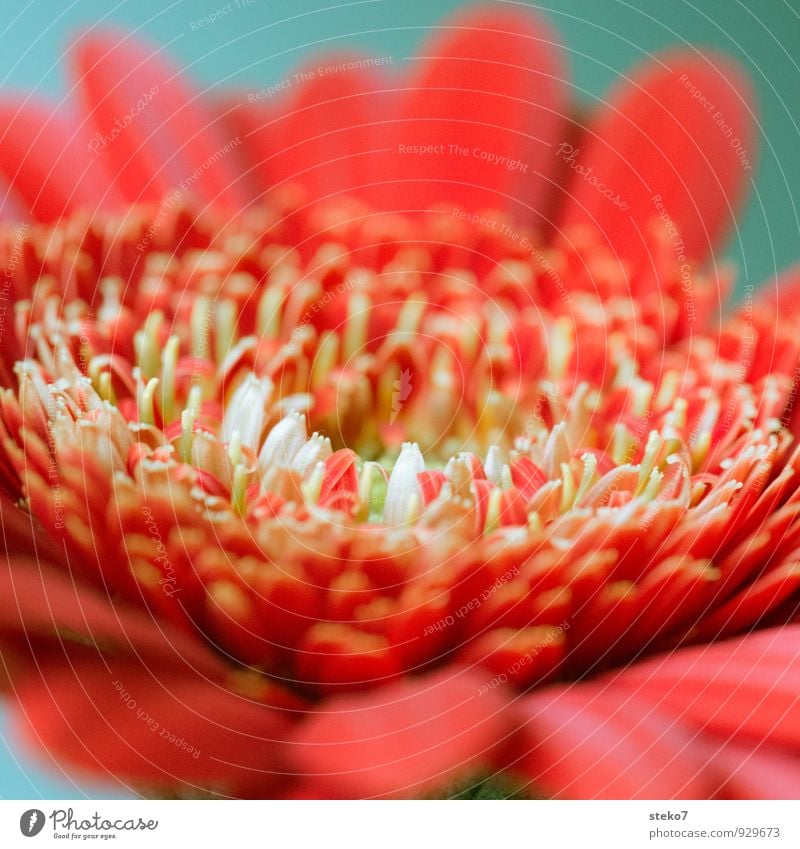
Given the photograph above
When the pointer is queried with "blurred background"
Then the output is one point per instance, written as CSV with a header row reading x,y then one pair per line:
x,y
255,43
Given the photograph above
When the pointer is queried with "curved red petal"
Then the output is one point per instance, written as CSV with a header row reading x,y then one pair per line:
x,y
747,688
674,144
149,125
582,743
116,717
252,121
481,116
22,534
40,601
329,128
755,772
44,158
781,296
402,739
12,207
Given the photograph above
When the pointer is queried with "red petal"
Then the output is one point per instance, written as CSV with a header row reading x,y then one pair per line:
x,y
490,83
747,688
72,706
329,128
402,739
339,490
755,773
149,125
23,535
253,123
527,476
781,296
430,484
38,600
332,657
114,716
581,743
772,316
46,161
525,656
13,208
679,130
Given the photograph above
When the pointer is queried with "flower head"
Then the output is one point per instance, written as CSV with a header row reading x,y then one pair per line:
x,y
356,457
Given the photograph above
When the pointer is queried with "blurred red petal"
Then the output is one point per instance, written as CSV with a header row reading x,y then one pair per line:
x,y
149,125
675,139
586,743
402,739
114,716
490,83
252,123
45,159
781,296
755,772
42,601
747,688
329,127
22,534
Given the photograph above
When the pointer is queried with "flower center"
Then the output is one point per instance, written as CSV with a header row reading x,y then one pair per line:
x,y
344,448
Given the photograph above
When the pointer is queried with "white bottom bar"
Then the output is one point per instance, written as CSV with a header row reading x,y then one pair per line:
x,y
402,825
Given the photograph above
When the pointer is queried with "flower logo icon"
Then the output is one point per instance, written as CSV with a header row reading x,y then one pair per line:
x,y
31,822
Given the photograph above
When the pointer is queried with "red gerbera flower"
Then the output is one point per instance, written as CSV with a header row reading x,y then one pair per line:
x,y
380,436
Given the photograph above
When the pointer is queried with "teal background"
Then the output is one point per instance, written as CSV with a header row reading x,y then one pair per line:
x,y
258,44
